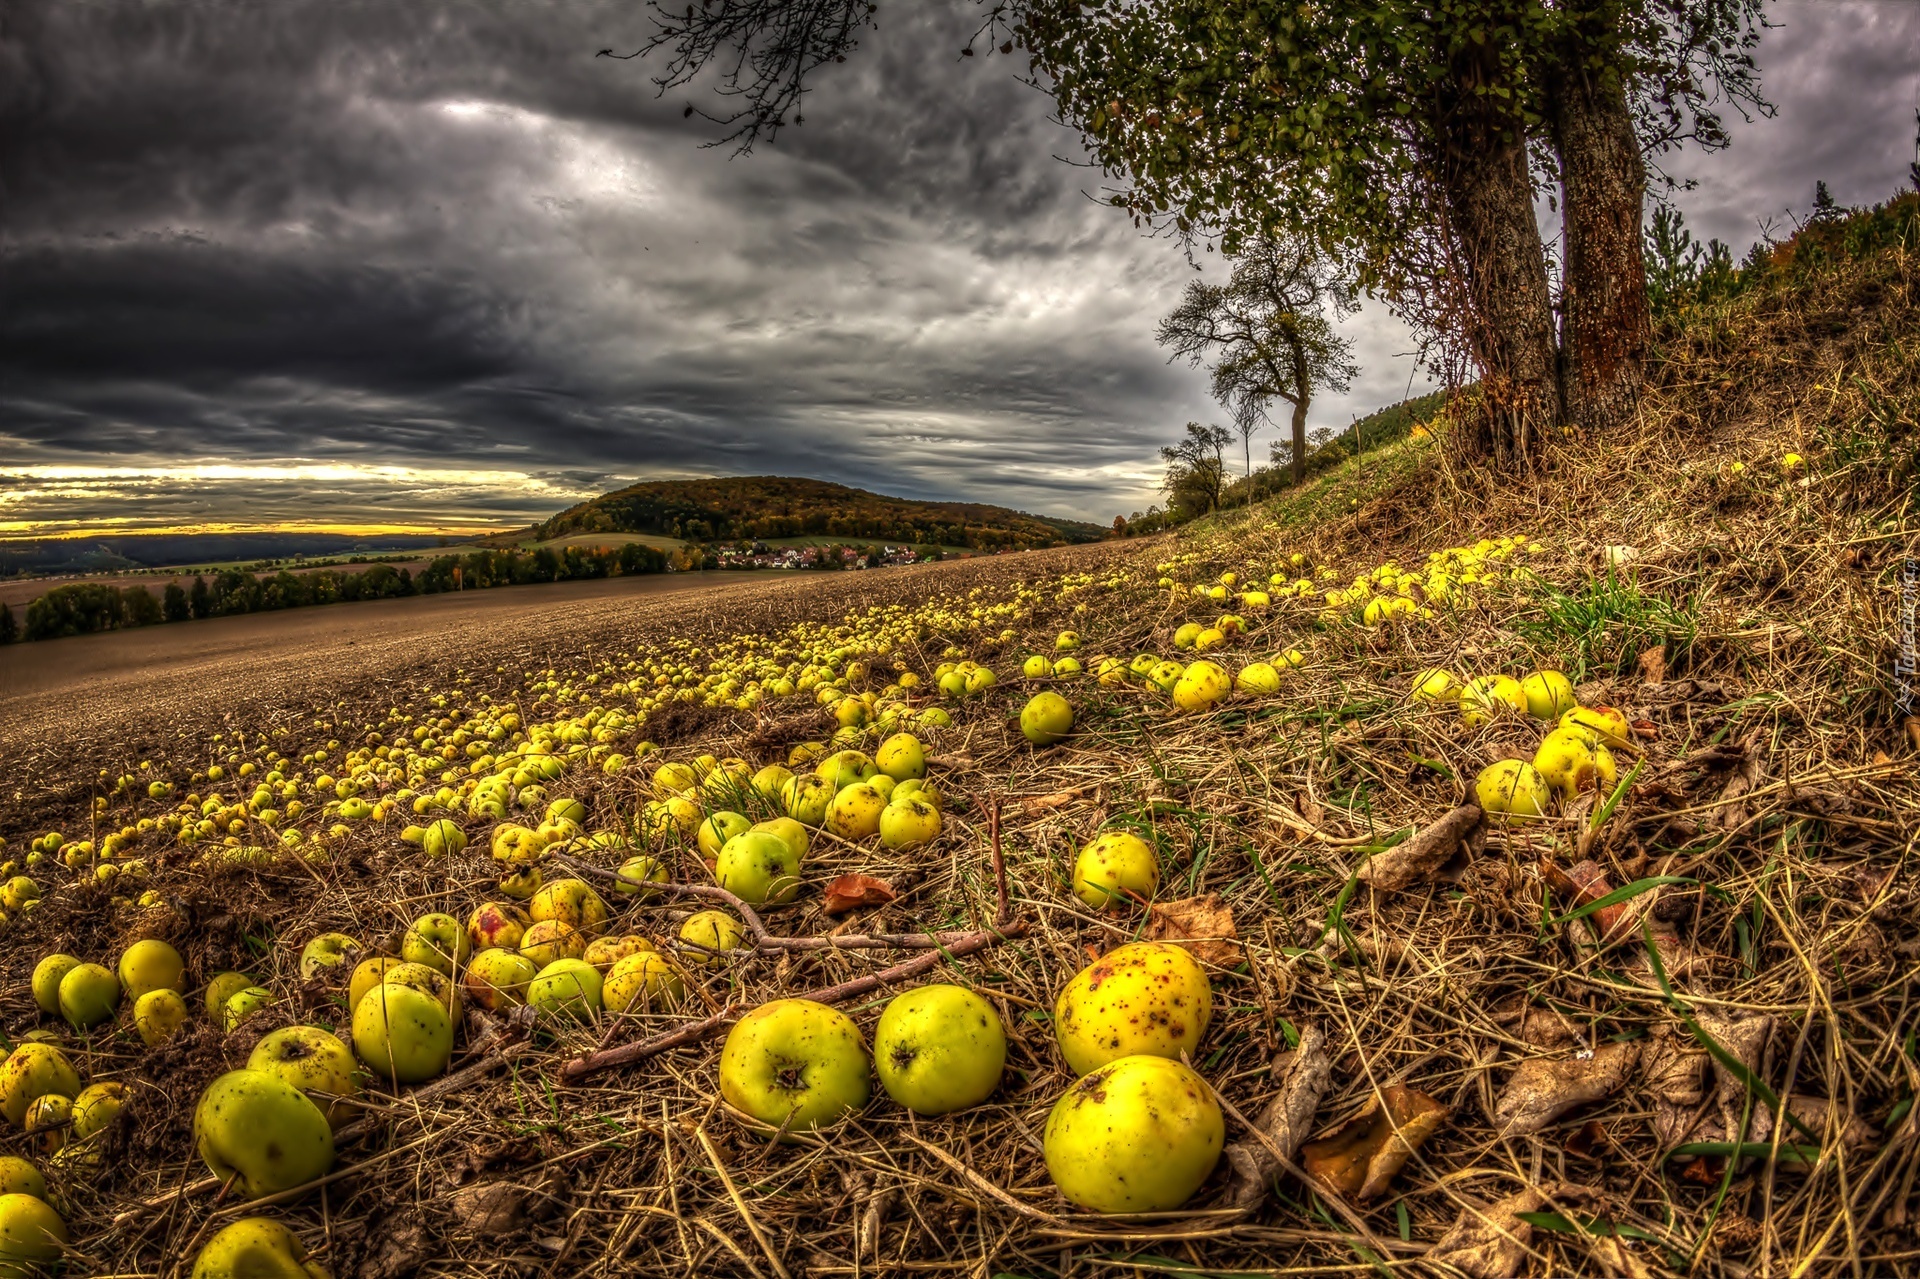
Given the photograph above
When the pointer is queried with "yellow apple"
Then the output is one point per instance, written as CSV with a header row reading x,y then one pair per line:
x,y
1139,1134
1201,686
1046,718
604,952
47,976
255,1248
316,1062
261,1135
644,982
901,757
1549,694
496,926
18,1177
97,1106
223,987
794,1065
497,979
1260,679
1603,724
1490,696
32,1236
1113,868
158,1015
710,934
571,902
939,1048
1511,789
645,869
717,829
551,939
788,829
1143,998
368,975
807,799
855,811
908,822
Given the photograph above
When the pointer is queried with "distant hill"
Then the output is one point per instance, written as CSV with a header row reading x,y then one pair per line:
x,y
766,506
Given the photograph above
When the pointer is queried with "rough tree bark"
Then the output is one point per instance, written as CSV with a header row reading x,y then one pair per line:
x,y
1489,197
1303,382
1607,324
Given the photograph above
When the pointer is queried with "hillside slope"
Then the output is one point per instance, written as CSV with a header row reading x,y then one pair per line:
x,y
767,506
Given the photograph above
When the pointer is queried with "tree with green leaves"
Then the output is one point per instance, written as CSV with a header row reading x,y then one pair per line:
x,y
1408,139
1269,331
1197,468
9,628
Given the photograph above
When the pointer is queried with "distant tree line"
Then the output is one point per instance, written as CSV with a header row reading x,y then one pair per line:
x,y
86,607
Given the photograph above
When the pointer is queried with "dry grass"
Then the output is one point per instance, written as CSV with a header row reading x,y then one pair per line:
x,y
1773,809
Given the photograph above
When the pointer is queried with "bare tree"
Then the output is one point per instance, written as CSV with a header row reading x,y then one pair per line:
x,y
1197,467
1269,327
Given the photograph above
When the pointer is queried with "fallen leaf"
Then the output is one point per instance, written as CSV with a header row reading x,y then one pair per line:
x,y
850,892
1204,925
490,1208
1420,856
1822,1115
1309,811
1913,731
1674,1073
1585,883
1748,1040
1490,1242
1040,803
1362,1155
1590,1137
1543,1088
1286,1120
1616,1258
1653,666
1747,774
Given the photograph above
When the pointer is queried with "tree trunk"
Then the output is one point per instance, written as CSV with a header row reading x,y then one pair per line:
x,y
1302,395
1489,201
1608,326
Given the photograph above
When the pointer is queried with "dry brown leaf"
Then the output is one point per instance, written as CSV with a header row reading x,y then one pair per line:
x,y
1586,882
1361,1156
1675,1075
1543,1089
1653,666
1310,812
1617,1258
1422,855
1491,1242
850,892
1286,1120
1748,1040
1204,925
1913,731
1822,1115
1747,774
1040,803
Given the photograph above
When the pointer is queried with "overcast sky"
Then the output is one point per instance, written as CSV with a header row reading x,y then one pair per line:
x,y
414,264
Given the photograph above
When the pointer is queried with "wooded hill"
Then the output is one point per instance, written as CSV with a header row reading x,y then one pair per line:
x,y
769,506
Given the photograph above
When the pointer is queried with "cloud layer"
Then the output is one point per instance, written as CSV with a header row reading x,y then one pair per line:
x,y
332,237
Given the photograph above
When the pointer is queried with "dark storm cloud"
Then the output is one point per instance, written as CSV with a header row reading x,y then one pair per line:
x,y
446,237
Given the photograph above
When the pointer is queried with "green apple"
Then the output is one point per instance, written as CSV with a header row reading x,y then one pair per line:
x,y
47,976
573,902
645,869
32,1236
497,979
314,1061
325,953
19,1177
442,839
566,988
846,768
255,1248
759,868
223,987
88,995
550,939
717,829
404,1035
1114,867
771,780
1046,718
496,926
261,1135
428,981
642,983
244,1004
158,1015
907,822
437,940
1140,1134
902,757
710,934
855,812
939,1048
794,1065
